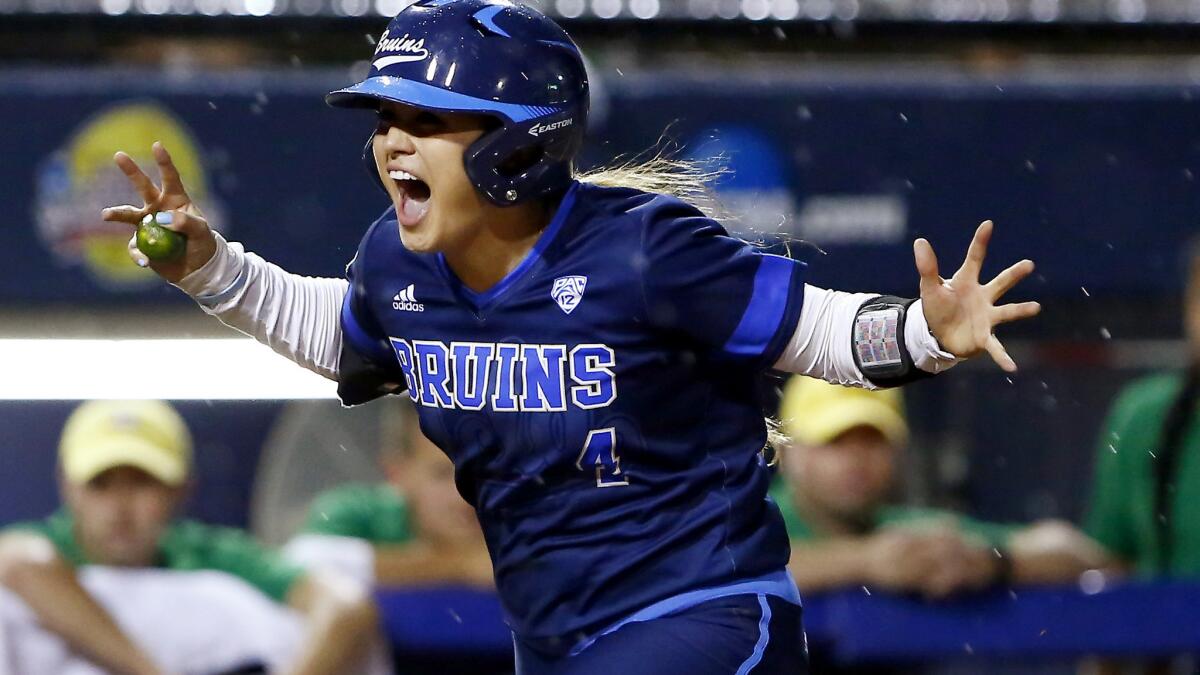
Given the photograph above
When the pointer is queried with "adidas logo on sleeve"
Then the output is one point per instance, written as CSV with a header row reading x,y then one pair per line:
x,y
406,301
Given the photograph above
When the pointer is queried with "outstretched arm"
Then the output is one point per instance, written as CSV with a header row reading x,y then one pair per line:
x,y
296,316
952,320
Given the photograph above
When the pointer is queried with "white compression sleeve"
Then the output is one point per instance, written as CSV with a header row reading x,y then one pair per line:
x,y
297,316
822,347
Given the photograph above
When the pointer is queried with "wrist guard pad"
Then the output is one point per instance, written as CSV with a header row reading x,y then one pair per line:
x,y
878,342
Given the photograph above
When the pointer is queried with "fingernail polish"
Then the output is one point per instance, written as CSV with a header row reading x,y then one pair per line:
x,y
163,218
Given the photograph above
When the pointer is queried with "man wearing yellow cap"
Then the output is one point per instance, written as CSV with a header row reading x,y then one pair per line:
x,y
124,469
838,474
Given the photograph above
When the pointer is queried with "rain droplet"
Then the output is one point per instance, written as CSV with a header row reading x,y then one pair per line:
x,y
454,615
261,97
1188,175
1091,582
1030,165
212,106
779,33
903,117
1104,333
1085,291
866,590
804,113
1009,380
968,648
370,39
618,73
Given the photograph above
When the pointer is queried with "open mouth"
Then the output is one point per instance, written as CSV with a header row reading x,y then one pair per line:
x,y
414,196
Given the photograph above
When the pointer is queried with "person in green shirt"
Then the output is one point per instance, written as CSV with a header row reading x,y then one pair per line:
x,y
1147,475
417,529
837,477
124,473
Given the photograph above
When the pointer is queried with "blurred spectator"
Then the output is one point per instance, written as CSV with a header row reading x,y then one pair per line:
x,y
413,529
1148,475
839,469
1148,464
124,472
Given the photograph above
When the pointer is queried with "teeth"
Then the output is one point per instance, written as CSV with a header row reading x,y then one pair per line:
x,y
401,175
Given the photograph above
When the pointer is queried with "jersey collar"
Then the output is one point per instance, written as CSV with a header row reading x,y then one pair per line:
x,y
485,299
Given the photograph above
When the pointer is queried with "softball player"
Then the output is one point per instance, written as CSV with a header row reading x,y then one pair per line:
x,y
585,352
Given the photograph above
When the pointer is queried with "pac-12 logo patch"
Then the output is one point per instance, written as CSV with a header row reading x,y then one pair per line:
x,y
568,291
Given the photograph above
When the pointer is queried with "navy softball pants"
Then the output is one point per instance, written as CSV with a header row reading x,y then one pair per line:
x,y
733,635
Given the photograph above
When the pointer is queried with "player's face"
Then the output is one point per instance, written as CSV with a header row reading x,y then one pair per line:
x,y
419,156
847,478
121,514
426,477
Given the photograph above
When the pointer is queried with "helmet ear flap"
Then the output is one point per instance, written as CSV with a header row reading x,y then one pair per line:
x,y
526,160
508,174
368,160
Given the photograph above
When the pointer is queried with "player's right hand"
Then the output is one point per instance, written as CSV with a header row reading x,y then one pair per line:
x,y
171,197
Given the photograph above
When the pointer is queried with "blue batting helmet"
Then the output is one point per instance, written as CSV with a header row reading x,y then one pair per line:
x,y
491,57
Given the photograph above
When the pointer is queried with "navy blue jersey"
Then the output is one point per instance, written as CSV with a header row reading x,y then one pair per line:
x,y
600,403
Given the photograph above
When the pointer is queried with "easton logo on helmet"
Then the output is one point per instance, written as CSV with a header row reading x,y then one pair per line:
x,y
537,129
415,48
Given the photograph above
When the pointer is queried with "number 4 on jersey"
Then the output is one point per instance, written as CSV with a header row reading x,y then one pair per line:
x,y
600,451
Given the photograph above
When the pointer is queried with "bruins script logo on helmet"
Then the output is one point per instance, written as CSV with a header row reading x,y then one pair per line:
x,y
538,129
413,50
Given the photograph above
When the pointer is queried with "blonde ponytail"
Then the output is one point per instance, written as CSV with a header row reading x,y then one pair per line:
x,y
688,180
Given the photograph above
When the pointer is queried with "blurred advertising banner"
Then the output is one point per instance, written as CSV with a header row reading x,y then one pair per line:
x,y
1094,177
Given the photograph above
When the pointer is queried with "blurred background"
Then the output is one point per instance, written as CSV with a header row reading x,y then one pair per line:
x,y
850,128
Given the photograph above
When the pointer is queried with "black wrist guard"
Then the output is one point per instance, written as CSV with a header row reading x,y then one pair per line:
x,y
878,342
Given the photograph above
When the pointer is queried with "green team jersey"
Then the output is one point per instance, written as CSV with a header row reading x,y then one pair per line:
x,y
189,545
994,534
376,513
1121,514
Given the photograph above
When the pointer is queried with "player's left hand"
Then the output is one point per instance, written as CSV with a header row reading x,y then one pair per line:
x,y
962,313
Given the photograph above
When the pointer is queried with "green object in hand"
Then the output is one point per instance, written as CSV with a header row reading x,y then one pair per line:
x,y
157,242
